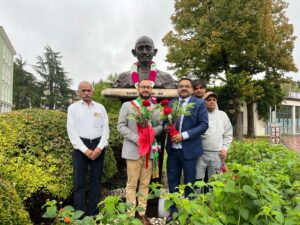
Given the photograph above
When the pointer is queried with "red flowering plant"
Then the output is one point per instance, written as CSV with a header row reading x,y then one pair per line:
x,y
169,115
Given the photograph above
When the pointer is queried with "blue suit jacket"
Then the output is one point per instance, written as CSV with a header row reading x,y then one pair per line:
x,y
195,125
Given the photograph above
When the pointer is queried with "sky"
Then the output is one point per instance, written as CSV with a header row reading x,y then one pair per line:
x,y
95,37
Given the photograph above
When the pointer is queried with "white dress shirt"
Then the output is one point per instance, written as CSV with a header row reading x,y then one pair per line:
x,y
184,134
87,121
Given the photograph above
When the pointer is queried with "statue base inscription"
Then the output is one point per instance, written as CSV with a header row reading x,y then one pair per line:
x,y
130,93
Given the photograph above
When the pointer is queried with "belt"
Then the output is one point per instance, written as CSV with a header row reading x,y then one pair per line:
x,y
91,140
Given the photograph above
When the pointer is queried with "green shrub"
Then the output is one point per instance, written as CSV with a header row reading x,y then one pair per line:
x,y
276,158
12,211
36,152
264,190
115,145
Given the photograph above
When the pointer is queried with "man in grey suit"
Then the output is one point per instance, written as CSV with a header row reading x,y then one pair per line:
x,y
139,168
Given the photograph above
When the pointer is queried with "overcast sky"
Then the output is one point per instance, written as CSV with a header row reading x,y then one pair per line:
x,y
95,37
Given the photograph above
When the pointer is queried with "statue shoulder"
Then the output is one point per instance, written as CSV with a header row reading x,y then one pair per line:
x,y
163,73
165,80
123,75
123,80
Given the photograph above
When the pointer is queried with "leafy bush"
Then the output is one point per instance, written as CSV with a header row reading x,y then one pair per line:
x,y
36,152
265,190
112,211
12,211
275,158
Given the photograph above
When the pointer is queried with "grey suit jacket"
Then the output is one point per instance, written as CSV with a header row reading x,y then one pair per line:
x,y
128,130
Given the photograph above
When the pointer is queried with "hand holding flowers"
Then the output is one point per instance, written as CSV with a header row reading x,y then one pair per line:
x,y
170,115
142,112
142,115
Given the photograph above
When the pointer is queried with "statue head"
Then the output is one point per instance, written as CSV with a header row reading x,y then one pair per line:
x,y
144,50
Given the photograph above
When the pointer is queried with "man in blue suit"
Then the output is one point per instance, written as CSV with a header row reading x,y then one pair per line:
x,y
185,148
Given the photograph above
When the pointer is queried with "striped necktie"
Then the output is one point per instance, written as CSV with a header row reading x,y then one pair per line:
x,y
177,124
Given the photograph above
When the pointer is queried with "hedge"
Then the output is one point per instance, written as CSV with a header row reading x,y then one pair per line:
x,y
12,211
36,154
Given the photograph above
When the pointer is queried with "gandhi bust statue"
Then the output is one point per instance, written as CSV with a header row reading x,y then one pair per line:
x,y
145,68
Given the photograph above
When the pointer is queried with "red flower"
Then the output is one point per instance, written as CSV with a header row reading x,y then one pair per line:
x,y
164,102
146,103
167,110
235,177
67,220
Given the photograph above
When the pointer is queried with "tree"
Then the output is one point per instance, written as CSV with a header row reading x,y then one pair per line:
x,y
27,90
55,84
231,41
111,105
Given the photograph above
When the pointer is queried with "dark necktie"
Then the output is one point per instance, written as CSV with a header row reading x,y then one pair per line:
x,y
177,124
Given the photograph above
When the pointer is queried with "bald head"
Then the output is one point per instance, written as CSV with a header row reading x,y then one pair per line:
x,y
144,40
144,51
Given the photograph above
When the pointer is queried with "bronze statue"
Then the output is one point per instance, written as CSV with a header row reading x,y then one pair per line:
x,y
145,68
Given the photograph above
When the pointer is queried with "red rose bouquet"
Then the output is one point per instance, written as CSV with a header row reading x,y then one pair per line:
x,y
142,112
142,115
170,114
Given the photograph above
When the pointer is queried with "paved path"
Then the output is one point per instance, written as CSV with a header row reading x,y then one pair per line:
x,y
292,141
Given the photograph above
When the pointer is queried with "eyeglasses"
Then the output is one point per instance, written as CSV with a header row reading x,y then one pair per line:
x,y
145,87
184,86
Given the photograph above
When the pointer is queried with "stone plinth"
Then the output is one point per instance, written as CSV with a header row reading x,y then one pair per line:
x,y
130,93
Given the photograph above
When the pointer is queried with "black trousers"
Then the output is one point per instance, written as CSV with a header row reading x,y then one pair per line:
x,y
176,163
81,165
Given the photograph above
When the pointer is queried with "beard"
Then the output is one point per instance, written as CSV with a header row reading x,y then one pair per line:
x,y
144,95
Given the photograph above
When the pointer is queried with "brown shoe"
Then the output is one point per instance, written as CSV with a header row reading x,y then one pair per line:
x,y
145,220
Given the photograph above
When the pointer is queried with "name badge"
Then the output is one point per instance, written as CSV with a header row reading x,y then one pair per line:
x,y
97,120
97,115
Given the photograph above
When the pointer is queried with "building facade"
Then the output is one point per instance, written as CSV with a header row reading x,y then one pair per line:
x,y
7,53
286,116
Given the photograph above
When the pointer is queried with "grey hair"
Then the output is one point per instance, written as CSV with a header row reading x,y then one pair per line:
x,y
85,82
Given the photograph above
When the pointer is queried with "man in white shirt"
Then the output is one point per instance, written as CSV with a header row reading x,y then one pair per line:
x,y
216,140
88,131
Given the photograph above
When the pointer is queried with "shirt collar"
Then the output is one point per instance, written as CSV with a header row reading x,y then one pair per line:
x,y
186,100
83,102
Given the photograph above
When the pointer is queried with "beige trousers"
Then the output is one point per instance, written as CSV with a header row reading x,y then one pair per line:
x,y
136,171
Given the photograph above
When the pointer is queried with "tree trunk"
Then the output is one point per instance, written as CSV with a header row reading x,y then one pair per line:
x,y
250,118
237,120
238,125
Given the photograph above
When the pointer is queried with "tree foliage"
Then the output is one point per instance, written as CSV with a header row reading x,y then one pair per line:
x,y
231,41
111,105
27,89
56,84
